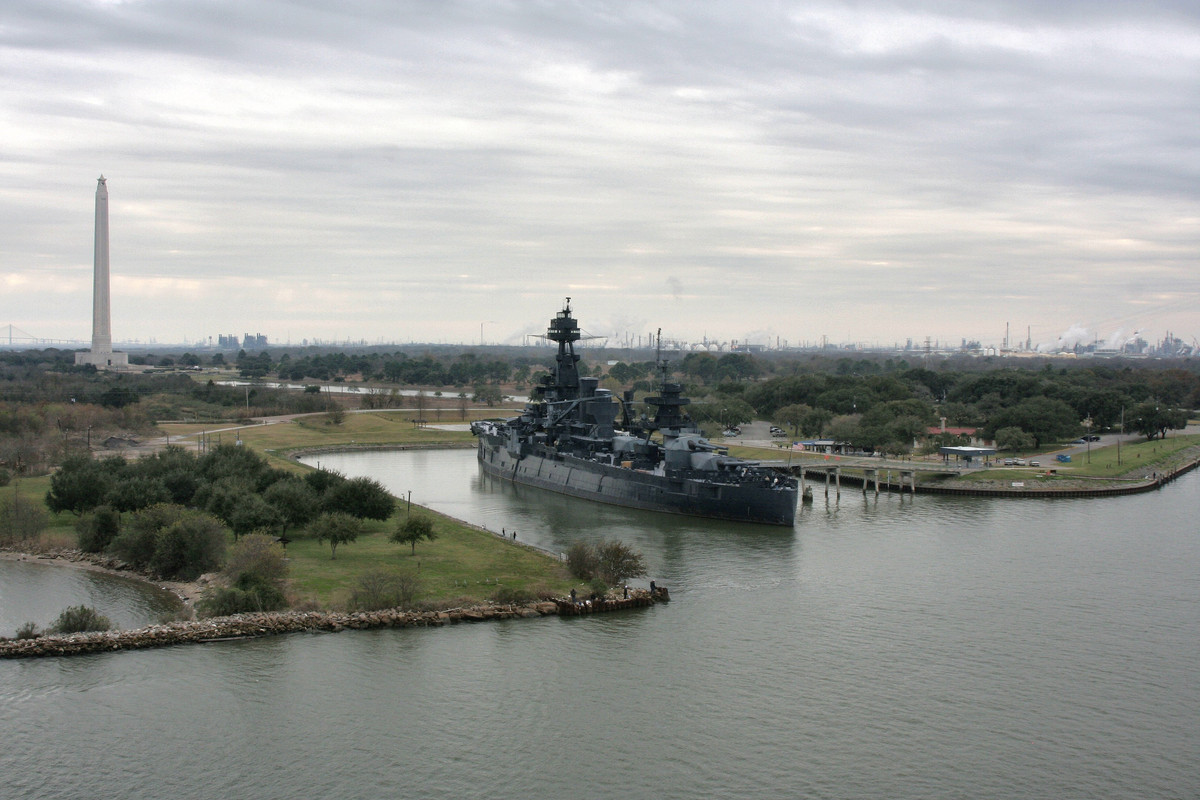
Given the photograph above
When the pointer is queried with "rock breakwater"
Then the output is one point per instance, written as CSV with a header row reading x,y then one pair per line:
x,y
247,626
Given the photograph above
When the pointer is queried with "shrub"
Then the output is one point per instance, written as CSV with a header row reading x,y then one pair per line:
x,y
190,547
259,555
97,530
28,631
581,560
512,595
381,588
221,601
249,594
135,546
171,541
77,619
138,540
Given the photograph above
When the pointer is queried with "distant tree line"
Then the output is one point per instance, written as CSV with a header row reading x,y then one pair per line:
x,y
887,409
876,402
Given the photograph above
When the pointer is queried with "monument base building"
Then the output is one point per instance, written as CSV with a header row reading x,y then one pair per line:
x,y
109,360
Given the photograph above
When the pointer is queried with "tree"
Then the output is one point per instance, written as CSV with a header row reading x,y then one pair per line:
x,y
322,480
79,485
97,530
240,464
1154,420
252,513
844,428
608,562
617,562
223,497
487,393
737,367
412,530
294,500
189,547
1013,438
335,527
1045,418
361,497
135,492
733,411
793,415
814,421
20,519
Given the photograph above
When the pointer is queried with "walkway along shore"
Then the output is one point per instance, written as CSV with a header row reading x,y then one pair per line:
x,y
1156,479
248,626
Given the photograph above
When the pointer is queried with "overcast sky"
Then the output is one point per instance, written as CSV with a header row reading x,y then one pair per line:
x,y
758,171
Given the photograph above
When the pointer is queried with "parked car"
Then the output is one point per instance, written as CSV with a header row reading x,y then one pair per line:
x,y
1020,462
776,430
1008,462
1063,457
1035,463
1091,437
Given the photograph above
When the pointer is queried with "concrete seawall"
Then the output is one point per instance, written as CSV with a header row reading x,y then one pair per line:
x,y
248,626
1131,486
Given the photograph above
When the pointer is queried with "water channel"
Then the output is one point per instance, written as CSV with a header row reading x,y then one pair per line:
x,y
903,647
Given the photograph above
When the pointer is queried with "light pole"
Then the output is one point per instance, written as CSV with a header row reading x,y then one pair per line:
x,y
1087,423
1121,436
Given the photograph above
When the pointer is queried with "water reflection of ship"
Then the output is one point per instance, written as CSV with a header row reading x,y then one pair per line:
x,y
567,441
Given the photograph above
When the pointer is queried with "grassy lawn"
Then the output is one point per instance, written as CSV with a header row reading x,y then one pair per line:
x,y
461,564
1136,459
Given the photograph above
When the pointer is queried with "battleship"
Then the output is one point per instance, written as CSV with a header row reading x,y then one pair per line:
x,y
569,440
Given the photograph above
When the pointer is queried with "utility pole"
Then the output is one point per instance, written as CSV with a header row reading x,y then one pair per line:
x,y
1119,437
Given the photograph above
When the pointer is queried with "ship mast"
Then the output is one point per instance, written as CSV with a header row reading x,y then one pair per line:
x,y
564,330
668,405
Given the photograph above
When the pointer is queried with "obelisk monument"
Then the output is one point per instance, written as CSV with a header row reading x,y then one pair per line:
x,y
101,355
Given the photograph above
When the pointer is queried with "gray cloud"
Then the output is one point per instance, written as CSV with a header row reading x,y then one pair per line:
x,y
391,170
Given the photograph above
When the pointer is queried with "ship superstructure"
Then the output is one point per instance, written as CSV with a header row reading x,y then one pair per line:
x,y
567,440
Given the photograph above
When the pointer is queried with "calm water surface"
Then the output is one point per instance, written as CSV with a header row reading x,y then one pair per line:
x,y
32,591
934,647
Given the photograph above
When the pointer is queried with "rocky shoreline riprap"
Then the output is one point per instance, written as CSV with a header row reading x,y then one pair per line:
x,y
246,626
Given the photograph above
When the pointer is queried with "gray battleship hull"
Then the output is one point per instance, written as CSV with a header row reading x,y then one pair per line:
x,y
617,485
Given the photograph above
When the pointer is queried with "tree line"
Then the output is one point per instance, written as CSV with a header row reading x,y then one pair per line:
x,y
887,409
169,513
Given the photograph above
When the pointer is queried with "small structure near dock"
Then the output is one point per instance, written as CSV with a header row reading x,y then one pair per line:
x,y
636,599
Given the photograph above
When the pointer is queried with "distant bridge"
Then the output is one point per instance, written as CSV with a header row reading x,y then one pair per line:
x,y
14,337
